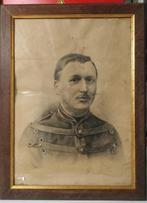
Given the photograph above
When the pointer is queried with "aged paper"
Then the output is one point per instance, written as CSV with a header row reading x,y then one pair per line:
x,y
39,43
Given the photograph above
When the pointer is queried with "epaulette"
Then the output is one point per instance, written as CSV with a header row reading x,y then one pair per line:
x,y
49,112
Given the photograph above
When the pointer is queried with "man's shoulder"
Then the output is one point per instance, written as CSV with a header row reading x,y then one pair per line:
x,y
105,131
48,113
94,122
31,129
99,134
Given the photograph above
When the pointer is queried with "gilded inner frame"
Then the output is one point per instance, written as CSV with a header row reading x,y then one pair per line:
x,y
126,20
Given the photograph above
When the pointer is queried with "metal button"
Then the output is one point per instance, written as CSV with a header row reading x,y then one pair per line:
x,y
114,145
35,131
79,131
41,139
81,149
111,131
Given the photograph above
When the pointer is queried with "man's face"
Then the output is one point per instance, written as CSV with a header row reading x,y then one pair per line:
x,y
77,85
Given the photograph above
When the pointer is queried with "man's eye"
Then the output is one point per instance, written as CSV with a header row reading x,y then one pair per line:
x,y
90,80
74,79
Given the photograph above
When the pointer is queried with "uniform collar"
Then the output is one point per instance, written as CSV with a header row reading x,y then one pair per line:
x,y
70,119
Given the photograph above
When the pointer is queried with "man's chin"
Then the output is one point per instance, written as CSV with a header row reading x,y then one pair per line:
x,y
82,106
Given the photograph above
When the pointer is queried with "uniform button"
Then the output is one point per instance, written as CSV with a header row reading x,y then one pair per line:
x,y
41,139
114,145
111,131
81,149
35,131
80,131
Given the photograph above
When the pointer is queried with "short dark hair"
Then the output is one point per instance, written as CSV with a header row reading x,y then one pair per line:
x,y
71,58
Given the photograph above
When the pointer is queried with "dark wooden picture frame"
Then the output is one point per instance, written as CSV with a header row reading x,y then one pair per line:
x,y
7,92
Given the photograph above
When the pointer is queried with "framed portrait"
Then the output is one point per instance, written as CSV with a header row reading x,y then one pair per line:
x,y
72,102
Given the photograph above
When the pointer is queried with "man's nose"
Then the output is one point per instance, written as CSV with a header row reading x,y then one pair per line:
x,y
83,86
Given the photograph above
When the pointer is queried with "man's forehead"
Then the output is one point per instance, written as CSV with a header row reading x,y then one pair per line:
x,y
79,68
78,63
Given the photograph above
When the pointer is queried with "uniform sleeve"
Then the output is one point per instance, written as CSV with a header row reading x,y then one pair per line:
x,y
30,156
115,145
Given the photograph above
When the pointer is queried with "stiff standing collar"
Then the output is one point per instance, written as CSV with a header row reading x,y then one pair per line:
x,y
61,112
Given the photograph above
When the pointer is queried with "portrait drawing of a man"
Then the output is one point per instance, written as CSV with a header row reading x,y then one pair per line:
x,y
69,127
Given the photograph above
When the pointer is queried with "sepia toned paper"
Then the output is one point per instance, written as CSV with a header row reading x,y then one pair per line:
x,y
39,43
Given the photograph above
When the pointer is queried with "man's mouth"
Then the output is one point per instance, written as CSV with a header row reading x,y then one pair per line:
x,y
83,98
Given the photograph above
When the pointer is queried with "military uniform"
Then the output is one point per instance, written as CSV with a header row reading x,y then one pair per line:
x,y
57,131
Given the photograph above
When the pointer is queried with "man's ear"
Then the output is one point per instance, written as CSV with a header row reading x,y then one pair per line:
x,y
57,86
